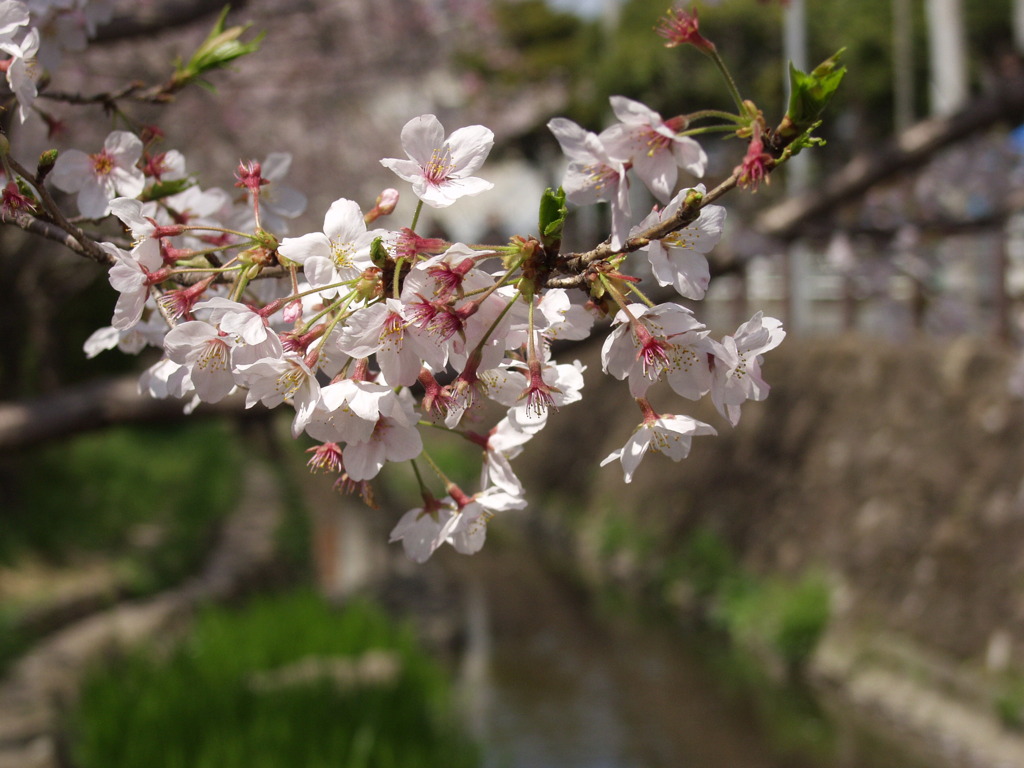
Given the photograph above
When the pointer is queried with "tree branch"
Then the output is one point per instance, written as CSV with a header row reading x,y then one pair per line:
x,y
75,239
151,19
911,149
92,406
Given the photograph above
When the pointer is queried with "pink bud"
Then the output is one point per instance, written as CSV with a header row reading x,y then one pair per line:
x,y
292,311
387,200
385,205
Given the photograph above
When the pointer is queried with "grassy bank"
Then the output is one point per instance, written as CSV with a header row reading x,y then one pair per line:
x,y
98,517
698,577
286,680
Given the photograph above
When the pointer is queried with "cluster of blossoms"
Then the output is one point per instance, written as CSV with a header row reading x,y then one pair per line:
x,y
371,334
36,33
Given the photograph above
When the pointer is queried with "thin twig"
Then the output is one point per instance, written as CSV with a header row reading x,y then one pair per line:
x,y
88,246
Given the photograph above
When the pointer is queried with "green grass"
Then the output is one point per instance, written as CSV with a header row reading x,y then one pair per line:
x,y
92,492
145,499
786,617
197,708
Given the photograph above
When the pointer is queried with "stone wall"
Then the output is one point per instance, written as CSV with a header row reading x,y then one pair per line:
x,y
895,470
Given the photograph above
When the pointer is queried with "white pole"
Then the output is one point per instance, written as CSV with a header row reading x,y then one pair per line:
x,y
796,260
1018,25
903,64
948,56
795,48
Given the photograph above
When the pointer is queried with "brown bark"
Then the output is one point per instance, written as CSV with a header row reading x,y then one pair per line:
x,y
909,150
93,406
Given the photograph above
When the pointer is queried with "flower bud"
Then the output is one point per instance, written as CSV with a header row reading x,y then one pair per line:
x,y
45,164
386,201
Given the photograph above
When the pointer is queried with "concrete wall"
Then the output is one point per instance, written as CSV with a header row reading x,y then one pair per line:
x,y
897,470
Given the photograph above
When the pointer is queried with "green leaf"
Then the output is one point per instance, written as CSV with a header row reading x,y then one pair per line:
x,y
552,217
161,189
810,94
221,47
378,253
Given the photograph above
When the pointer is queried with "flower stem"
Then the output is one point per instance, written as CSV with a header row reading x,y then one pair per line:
x,y
642,295
729,82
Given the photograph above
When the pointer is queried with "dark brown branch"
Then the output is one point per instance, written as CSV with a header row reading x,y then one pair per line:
x,y
84,244
93,406
42,228
576,263
911,149
152,19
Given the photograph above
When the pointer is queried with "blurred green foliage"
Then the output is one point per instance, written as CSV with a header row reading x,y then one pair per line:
x,y
198,706
91,493
785,617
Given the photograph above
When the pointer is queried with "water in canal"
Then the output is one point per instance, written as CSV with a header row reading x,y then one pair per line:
x,y
551,682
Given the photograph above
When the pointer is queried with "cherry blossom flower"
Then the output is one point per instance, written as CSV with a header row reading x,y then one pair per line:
x,y
272,380
648,342
138,216
13,14
420,528
737,364
561,318
593,175
132,276
467,530
235,318
101,177
678,258
164,379
165,166
755,165
21,70
206,353
530,389
13,201
504,442
440,170
680,27
338,254
394,438
670,434
449,275
348,411
653,146
131,341
556,318
385,329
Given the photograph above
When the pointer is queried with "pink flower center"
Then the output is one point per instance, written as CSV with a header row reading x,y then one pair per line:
x,y
448,278
655,142
393,331
653,352
102,163
214,356
602,175
326,458
12,201
440,166
539,395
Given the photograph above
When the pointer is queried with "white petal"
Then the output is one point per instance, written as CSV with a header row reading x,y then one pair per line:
x,y
469,147
421,136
